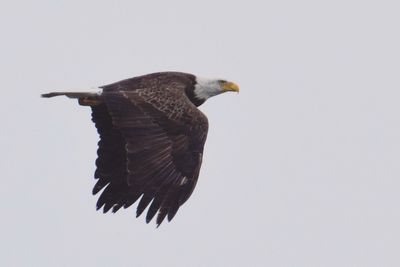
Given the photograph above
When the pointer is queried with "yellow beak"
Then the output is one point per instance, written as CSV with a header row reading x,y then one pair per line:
x,y
229,86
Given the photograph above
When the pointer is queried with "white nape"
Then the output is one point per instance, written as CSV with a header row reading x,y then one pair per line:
x,y
206,88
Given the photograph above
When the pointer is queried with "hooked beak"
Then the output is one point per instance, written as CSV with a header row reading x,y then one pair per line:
x,y
230,86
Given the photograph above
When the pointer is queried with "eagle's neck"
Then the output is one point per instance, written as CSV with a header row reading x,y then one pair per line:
x,y
204,88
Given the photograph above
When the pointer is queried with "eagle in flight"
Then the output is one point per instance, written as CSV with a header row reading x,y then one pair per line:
x,y
152,137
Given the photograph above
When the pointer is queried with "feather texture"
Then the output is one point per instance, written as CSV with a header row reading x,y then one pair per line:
x,y
151,139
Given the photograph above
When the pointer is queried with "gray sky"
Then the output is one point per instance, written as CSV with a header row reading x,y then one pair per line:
x,y
300,169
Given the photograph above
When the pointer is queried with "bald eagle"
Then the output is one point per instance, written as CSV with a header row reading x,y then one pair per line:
x,y
152,137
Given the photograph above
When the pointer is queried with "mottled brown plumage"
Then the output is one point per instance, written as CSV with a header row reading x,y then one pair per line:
x,y
151,142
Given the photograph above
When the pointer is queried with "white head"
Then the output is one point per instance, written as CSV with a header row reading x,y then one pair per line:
x,y
206,88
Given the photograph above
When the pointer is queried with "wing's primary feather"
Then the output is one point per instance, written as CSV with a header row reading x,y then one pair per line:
x,y
151,145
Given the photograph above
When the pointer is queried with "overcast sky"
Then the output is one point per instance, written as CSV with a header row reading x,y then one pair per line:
x,y
301,168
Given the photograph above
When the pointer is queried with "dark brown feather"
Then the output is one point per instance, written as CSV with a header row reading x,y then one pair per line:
x,y
151,144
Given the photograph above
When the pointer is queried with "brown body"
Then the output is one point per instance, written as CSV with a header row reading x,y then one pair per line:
x,y
151,142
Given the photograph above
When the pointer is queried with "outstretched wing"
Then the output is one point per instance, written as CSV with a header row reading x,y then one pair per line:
x,y
151,146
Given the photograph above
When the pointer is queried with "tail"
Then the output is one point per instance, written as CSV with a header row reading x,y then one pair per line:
x,y
84,98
